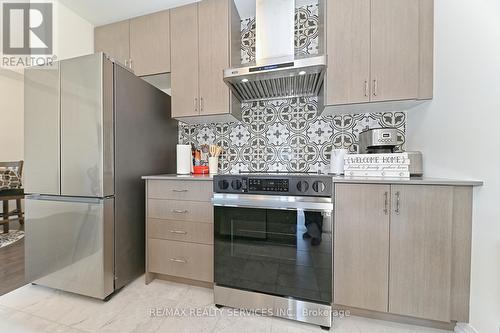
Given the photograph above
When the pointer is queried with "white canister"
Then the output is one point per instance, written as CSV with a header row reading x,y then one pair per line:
x,y
184,159
337,161
213,165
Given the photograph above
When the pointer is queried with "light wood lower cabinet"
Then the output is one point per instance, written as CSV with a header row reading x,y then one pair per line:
x,y
403,249
180,259
180,190
179,231
362,246
181,210
182,231
421,251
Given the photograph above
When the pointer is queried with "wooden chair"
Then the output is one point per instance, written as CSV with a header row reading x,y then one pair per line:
x,y
16,194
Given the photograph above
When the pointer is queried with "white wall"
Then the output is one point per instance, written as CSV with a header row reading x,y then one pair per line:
x,y
11,115
460,137
73,36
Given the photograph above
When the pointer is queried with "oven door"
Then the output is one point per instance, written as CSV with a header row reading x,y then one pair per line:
x,y
274,244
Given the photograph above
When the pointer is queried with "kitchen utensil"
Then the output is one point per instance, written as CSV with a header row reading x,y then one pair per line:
x,y
213,164
213,150
219,151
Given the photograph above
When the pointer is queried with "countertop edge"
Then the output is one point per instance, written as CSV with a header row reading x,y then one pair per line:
x,y
179,177
343,179
411,181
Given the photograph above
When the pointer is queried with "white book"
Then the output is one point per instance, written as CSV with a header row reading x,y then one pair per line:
x,y
377,167
398,158
385,174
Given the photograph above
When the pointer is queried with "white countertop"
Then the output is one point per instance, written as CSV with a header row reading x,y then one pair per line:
x,y
179,177
407,181
343,179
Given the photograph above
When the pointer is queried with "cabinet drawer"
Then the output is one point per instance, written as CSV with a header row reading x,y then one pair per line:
x,y
180,210
183,231
180,190
187,260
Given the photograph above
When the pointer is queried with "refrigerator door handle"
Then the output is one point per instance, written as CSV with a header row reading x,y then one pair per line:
x,y
64,199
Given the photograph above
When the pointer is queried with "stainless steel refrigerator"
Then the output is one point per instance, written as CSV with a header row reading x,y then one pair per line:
x,y
92,129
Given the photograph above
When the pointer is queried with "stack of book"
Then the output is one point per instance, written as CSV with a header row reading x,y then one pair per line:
x,y
395,165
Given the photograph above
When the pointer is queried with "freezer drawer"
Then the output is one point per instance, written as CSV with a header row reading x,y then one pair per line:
x,y
69,244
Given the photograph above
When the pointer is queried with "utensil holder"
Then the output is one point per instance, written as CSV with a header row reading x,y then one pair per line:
x,y
213,165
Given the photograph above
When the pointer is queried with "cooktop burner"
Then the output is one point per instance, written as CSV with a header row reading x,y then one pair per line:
x,y
275,183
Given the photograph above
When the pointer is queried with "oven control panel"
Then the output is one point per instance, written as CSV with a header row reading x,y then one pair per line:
x,y
298,185
268,185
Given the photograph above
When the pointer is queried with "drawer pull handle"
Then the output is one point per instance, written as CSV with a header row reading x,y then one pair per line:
x,y
179,232
178,211
386,203
179,191
181,261
398,204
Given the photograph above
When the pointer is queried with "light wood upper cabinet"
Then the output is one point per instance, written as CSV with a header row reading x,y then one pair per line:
x,y
421,251
361,273
214,55
394,49
378,51
184,60
114,40
202,47
348,49
150,43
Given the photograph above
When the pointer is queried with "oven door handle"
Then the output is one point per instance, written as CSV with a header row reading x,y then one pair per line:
x,y
272,202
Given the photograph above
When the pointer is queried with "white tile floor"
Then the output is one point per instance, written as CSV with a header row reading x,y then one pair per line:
x,y
38,309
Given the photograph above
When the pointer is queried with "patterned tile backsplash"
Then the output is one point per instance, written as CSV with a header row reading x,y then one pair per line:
x,y
288,134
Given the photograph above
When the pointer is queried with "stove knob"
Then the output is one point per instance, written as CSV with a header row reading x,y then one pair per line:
x,y
302,186
236,184
319,186
223,184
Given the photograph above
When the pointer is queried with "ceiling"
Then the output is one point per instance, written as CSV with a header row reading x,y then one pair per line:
x,y
100,12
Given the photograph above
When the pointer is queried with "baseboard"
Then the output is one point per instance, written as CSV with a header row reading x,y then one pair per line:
x,y
465,328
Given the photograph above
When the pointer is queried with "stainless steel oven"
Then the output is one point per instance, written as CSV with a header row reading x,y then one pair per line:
x,y
273,245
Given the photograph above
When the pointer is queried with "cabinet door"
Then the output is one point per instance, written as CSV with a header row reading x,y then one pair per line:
x,y
361,247
150,43
114,40
394,49
184,61
214,55
348,31
420,257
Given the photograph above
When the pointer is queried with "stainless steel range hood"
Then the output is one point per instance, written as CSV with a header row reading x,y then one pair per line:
x,y
276,73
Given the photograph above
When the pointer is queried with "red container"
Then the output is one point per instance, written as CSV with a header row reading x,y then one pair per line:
x,y
201,170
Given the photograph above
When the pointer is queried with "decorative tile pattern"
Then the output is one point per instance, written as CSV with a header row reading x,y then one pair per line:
x,y
306,33
287,134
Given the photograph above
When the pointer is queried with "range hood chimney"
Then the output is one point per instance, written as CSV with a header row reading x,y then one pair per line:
x,y
276,73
